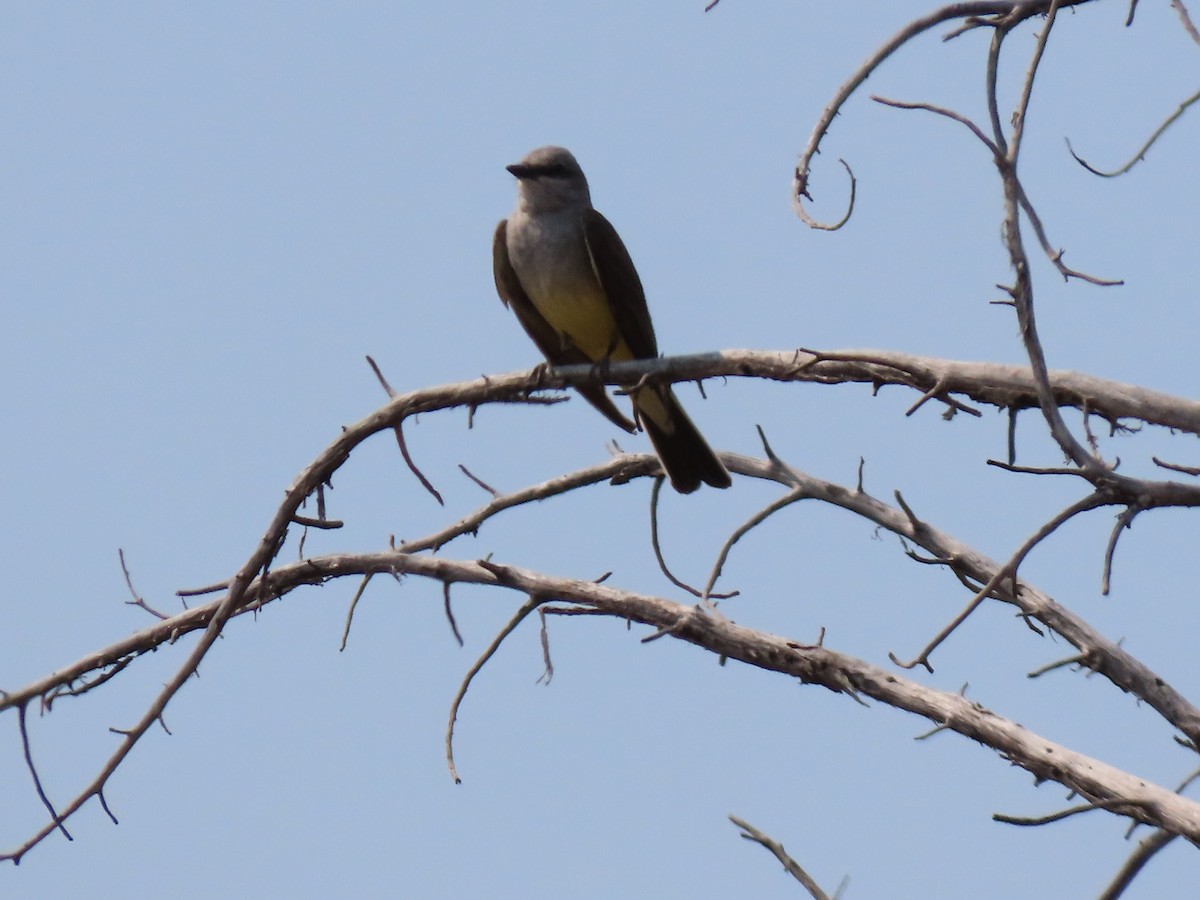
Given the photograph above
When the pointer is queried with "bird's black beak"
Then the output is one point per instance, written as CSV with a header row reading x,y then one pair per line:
x,y
520,171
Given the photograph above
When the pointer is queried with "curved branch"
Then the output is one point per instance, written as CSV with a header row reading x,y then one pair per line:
x,y
837,672
1011,12
1003,386
1102,655
256,584
741,531
1144,149
999,155
526,608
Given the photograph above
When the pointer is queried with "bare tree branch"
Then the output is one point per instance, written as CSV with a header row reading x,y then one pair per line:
x,y
1147,848
750,833
959,386
1007,12
1186,18
669,618
527,607
1145,148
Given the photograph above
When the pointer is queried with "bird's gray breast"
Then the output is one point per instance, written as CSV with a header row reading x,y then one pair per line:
x,y
549,254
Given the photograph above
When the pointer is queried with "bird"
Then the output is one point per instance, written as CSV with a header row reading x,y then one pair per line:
x,y
561,267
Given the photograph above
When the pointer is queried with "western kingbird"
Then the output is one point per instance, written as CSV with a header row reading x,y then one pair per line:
x,y
563,270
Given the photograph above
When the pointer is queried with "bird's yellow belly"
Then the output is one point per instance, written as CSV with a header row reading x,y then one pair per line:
x,y
584,320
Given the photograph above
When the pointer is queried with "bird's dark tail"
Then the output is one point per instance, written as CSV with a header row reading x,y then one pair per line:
x,y
685,455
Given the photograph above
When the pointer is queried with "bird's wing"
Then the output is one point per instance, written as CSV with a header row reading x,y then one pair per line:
x,y
618,277
513,295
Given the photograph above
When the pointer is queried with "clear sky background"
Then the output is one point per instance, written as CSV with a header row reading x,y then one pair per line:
x,y
210,214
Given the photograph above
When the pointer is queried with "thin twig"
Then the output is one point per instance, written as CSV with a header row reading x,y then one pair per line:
x,y
526,608
741,531
655,543
992,75
399,429
1117,805
970,11
1021,114
1175,467
322,524
137,598
544,635
750,833
1188,25
948,113
1145,148
1009,569
387,388
1054,255
353,606
1124,520
487,487
450,613
1146,850
1079,659
412,466
1007,167
37,782
113,670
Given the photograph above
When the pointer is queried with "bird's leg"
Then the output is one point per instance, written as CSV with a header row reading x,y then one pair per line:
x,y
601,368
539,373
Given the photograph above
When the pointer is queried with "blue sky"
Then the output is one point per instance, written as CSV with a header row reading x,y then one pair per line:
x,y
212,212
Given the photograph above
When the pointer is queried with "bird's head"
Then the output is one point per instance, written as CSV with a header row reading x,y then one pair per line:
x,y
550,179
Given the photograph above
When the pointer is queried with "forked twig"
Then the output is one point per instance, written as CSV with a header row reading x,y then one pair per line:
x,y
1008,570
137,598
